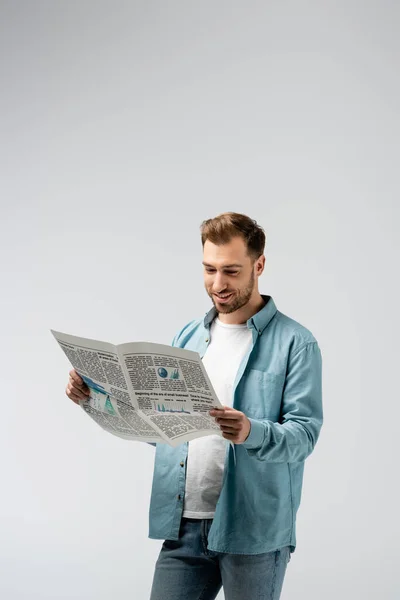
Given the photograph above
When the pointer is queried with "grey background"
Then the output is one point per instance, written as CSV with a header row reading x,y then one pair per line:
x,y
123,125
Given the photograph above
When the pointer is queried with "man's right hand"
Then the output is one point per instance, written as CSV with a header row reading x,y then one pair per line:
x,y
76,389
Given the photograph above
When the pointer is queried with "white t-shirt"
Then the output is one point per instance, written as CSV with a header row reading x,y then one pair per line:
x,y
206,456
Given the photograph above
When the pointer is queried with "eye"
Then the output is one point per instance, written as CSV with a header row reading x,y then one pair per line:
x,y
208,270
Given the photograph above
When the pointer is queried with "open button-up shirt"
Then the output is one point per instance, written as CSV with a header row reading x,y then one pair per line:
x,y
278,387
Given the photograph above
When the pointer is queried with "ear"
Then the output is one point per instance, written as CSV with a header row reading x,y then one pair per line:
x,y
260,264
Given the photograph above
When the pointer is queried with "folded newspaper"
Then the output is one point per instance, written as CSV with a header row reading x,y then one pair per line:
x,y
143,391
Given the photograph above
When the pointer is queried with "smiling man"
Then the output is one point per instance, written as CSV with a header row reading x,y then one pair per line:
x,y
227,511
225,505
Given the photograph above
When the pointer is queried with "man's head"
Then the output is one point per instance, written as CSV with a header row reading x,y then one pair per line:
x,y
233,259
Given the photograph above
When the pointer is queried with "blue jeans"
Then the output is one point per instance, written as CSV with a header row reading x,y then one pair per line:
x,y
186,570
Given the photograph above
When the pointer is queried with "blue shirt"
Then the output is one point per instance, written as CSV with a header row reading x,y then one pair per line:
x,y
278,387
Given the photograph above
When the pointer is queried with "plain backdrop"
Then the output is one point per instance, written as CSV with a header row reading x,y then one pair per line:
x,y
122,126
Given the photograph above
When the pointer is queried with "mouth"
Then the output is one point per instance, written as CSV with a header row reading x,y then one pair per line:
x,y
223,298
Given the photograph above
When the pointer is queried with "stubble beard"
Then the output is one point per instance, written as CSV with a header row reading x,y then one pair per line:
x,y
239,299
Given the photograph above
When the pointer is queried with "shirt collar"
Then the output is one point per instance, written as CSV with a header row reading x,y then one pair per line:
x,y
259,321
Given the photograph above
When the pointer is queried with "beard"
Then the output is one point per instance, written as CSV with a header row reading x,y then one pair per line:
x,y
239,298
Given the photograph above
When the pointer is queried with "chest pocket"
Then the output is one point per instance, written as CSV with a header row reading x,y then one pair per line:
x,y
260,394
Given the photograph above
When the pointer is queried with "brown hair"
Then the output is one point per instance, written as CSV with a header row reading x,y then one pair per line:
x,y
224,227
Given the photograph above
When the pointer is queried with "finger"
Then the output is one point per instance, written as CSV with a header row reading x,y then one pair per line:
x,y
230,410
76,377
81,392
84,388
74,398
229,436
72,390
230,431
228,423
78,383
235,416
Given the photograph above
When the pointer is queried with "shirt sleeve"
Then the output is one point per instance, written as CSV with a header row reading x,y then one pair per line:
x,y
295,436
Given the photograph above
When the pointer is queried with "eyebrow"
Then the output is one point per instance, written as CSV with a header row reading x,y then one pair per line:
x,y
224,267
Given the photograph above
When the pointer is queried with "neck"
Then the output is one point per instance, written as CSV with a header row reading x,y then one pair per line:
x,y
242,315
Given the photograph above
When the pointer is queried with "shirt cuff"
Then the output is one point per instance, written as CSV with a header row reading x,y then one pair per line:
x,y
256,435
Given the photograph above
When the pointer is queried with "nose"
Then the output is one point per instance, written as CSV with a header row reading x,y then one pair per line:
x,y
219,283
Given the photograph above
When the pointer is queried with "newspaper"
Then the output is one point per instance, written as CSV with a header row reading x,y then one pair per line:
x,y
144,391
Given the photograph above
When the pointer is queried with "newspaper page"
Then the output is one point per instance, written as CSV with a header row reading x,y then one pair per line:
x,y
143,391
172,389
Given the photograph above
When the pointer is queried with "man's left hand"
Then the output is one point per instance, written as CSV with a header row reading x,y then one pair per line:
x,y
234,424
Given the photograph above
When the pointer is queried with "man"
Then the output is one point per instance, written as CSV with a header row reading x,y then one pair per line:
x,y
227,511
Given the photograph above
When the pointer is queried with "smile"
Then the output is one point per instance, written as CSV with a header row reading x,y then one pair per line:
x,y
223,297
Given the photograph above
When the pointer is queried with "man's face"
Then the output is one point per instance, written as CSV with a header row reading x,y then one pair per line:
x,y
228,274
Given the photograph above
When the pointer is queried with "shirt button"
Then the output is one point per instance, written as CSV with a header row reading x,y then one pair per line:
x,y
182,464
179,497
206,339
